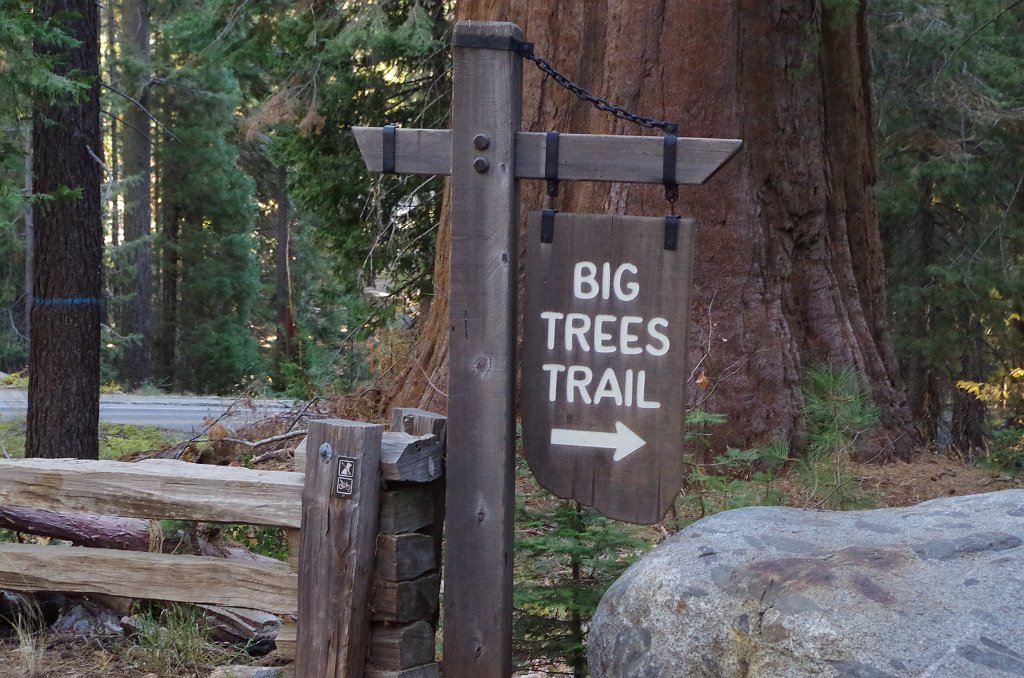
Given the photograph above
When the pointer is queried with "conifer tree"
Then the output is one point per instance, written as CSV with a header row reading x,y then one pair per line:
x,y
950,84
63,401
26,77
209,273
136,321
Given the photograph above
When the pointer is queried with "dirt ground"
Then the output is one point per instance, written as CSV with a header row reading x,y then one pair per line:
x,y
895,484
70,657
931,476
67,657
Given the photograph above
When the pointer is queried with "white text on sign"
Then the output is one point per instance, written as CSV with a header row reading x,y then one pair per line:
x,y
603,333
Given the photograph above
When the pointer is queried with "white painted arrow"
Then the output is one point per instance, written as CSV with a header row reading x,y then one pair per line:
x,y
623,441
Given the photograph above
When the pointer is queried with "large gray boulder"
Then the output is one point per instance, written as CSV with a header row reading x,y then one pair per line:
x,y
933,590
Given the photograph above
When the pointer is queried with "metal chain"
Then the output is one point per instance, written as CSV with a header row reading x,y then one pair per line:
x,y
598,102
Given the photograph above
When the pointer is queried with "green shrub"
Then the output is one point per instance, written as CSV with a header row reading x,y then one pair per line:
x,y
1006,449
175,641
735,479
118,440
266,541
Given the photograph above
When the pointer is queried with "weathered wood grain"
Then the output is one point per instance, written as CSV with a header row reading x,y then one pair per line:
x,y
286,639
294,546
639,159
112,532
400,646
409,458
404,556
156,576
417,422
420,422
582,157
338,540
406,601
423,671
300,456
406,509
240,624
155,488
486,102
417,151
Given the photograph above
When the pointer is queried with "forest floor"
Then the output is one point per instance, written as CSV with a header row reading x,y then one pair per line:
x,y
51,655
931,476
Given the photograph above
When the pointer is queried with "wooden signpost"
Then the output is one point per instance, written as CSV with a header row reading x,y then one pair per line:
x,y
486,154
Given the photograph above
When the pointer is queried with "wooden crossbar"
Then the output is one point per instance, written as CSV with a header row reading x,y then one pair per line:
x,y
581,157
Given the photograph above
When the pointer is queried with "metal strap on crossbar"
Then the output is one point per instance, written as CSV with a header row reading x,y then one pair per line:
x,y
671,232
669,167
551,162
547,225
389,148
502,42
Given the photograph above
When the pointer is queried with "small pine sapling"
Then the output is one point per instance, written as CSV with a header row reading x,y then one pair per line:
x,y
567,555
837,411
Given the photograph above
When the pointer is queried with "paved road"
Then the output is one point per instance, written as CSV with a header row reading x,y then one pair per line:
x,y
177,413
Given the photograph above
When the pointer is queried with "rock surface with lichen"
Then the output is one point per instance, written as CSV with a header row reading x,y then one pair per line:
x,y
931,590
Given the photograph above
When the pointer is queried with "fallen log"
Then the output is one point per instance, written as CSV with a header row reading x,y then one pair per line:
x,y
129,534
125,534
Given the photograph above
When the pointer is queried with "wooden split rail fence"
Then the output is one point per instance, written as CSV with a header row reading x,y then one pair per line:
x,y
363,510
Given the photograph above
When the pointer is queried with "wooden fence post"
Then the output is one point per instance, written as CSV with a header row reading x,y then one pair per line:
x,y
340,503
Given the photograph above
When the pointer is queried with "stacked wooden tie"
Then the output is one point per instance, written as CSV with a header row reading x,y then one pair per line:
x,y
405,601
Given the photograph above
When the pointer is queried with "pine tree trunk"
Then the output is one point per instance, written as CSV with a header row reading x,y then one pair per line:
x,y
111,63
282,264
29,236
968,426
789,267
137,320
63,396
922,385
166,345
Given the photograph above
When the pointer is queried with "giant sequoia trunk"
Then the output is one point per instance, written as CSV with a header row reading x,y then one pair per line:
x,y
789,269
64,383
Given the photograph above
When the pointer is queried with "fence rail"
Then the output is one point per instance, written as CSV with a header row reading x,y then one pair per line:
x,y
159,576
397,575
161,489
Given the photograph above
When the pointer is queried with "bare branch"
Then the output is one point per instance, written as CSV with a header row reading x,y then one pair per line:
x,y
110,175
128,124
297,417
977,30
266,441
141,108
272,455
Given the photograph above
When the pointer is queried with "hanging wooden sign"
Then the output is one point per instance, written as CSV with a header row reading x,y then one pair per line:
x,y
606,319
486,153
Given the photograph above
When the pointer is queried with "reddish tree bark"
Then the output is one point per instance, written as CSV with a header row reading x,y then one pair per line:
x,y
789,268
